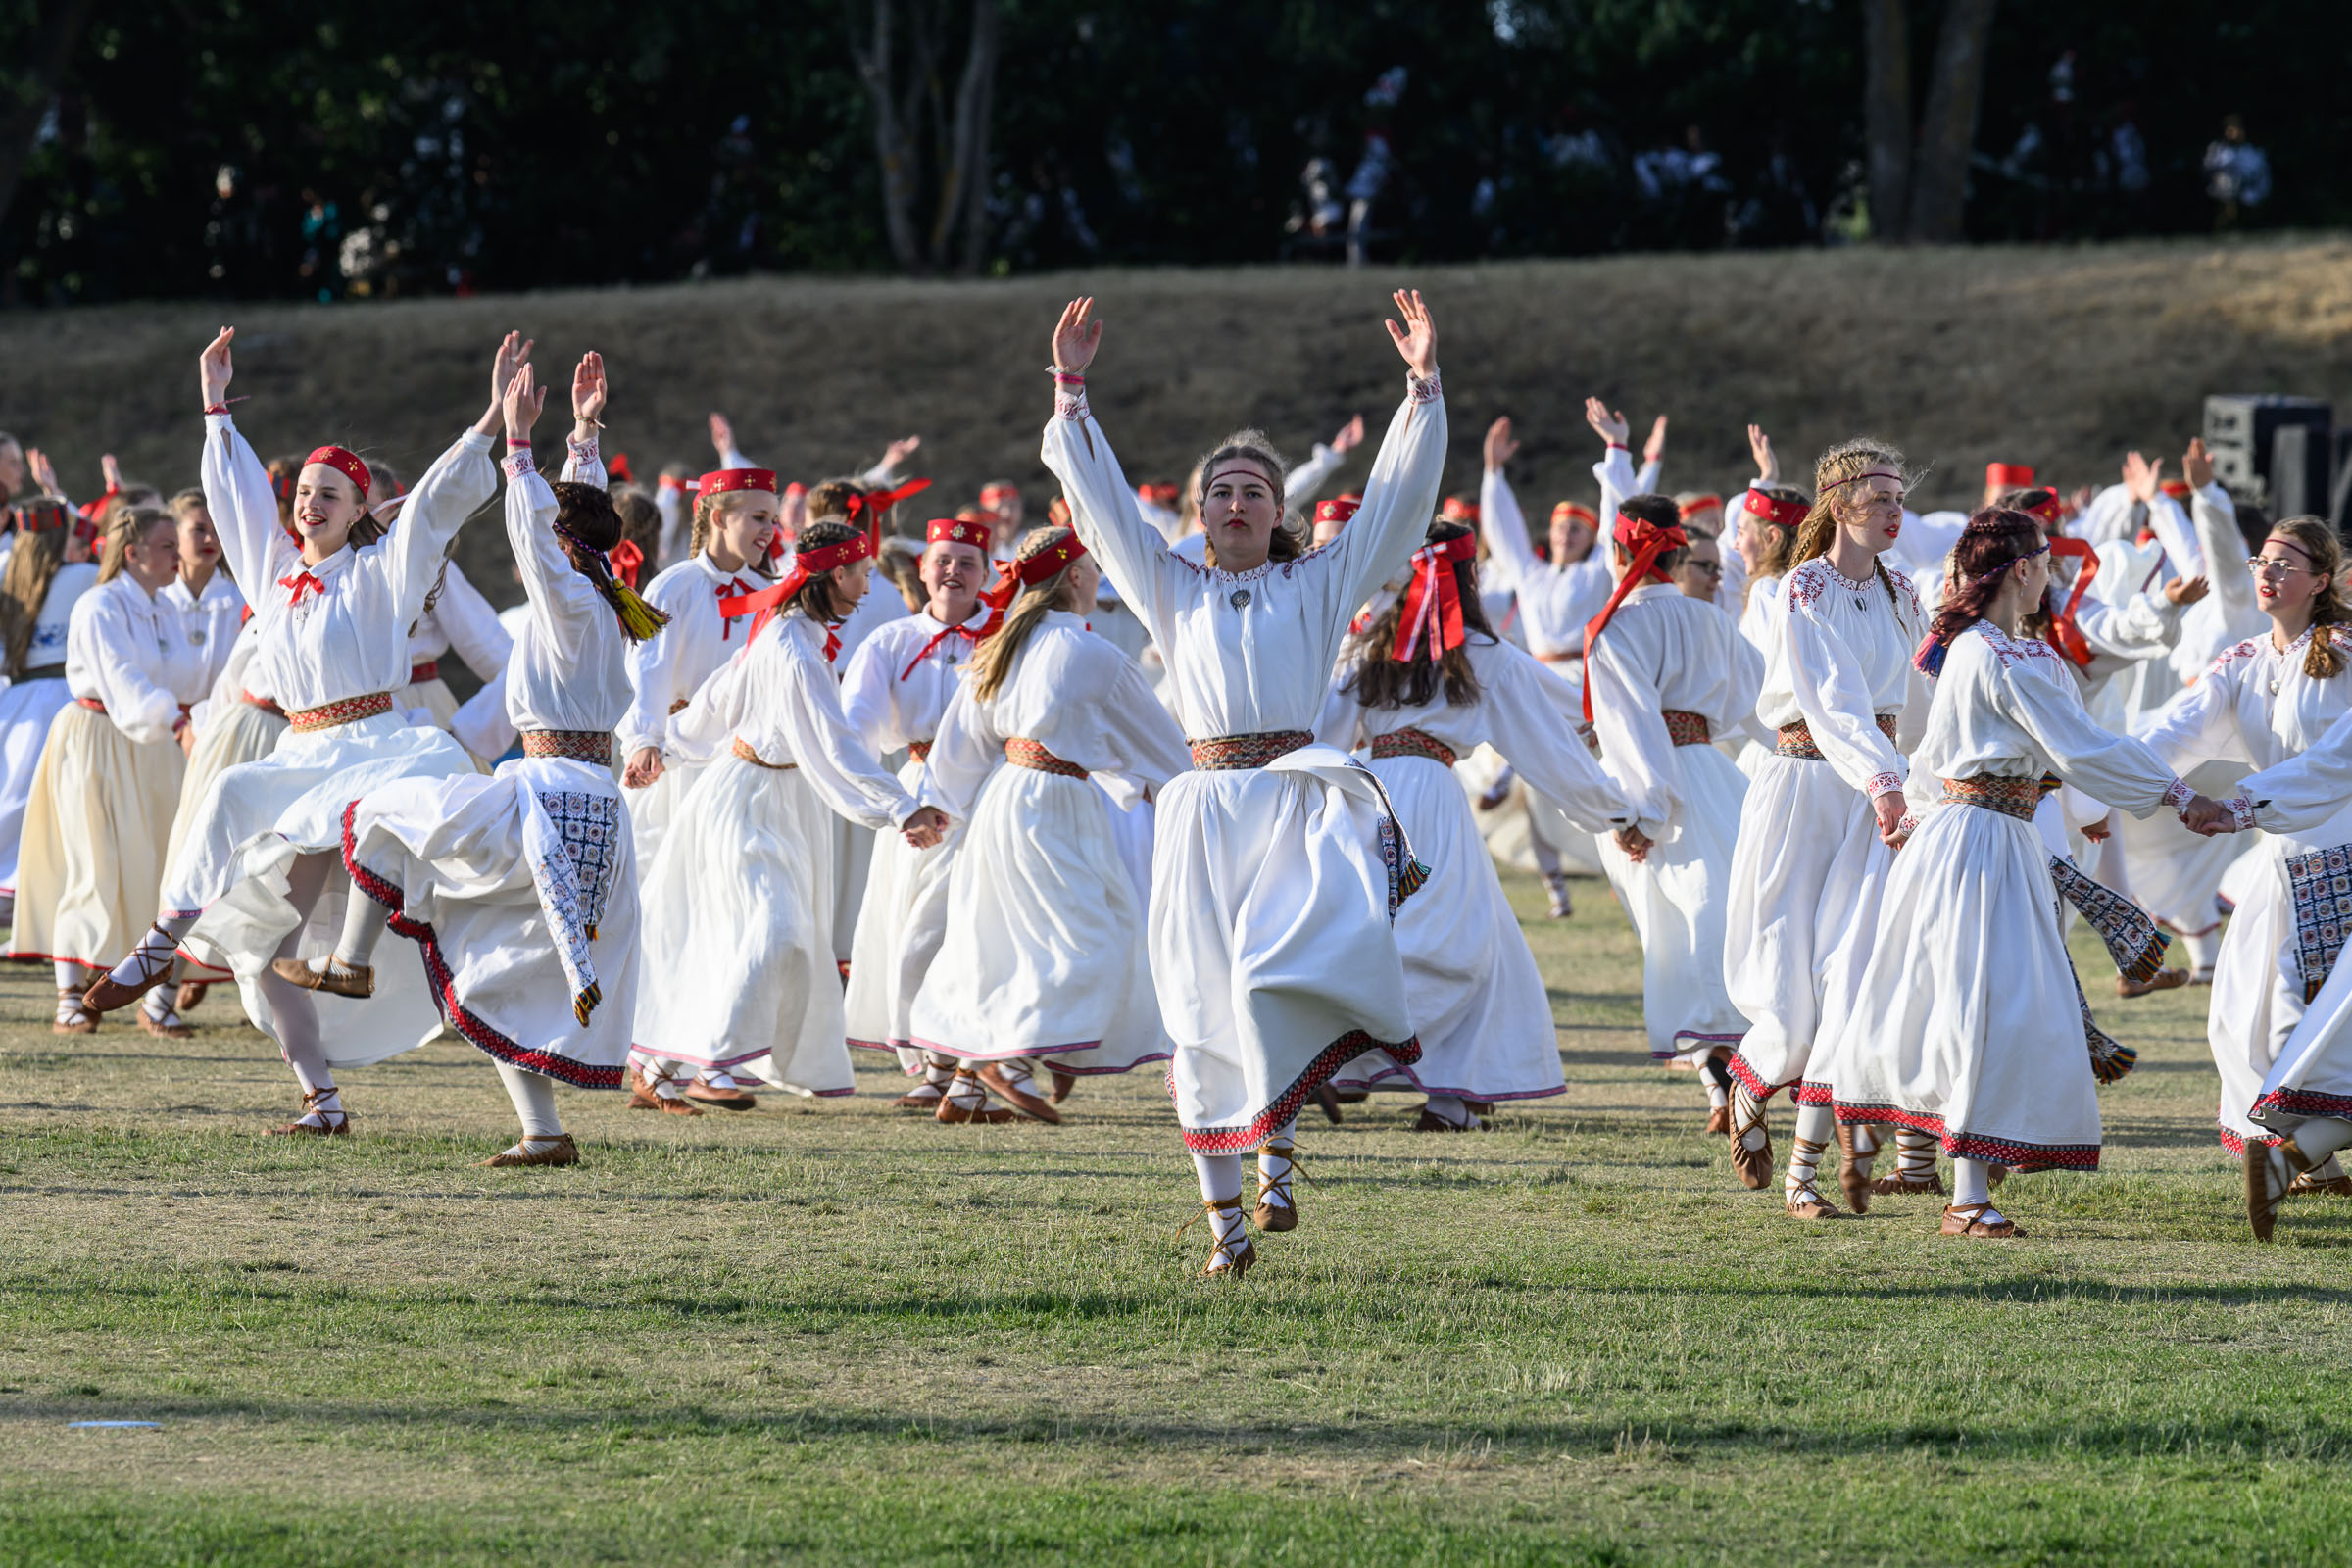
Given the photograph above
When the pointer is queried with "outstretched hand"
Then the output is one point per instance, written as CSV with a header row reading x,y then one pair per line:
x,y
525,397
1417,338
111,470
1655,447
2142,478
514,352
722,435
1351,436
1076,337
2196,463
2187,590
214,369
925,828
1609,425
1500,447
2207,816
1759,447
899,452
588,392
44,471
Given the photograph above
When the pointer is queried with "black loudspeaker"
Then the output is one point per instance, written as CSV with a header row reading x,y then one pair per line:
x,y
2243,432
2339,499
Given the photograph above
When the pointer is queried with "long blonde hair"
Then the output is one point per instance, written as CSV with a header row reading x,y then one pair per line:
x,y
2314,537
125,524
992,662
32,565
1838,467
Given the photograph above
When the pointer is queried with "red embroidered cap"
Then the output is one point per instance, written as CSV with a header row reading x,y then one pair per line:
x,y
956,531
1458,509
721,480
2008,477
1787,514
1339,508
344,462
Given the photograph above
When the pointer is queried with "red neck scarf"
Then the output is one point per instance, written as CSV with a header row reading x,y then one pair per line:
x,y
975,635
1433,602
301,583
807,563
1647,541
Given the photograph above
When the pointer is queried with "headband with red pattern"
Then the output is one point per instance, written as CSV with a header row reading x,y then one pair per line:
x,y
1029,570
344,462
1339,508
1578,510
1698,503
1431,613
990,492
2008,477
956,531
805,563
721,480
1159,495
1458,509
2177,489
1787,513
1647,541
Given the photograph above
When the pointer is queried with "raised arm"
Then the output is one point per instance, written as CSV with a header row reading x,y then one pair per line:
x,y
236,487
1615,470
560,598
1510,553
1301,484
459,480
2214,517
1401,493
583,457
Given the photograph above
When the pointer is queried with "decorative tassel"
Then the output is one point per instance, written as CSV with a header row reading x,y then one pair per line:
x,y
1411,879
638,619
1930,658
585,1002
2111,1064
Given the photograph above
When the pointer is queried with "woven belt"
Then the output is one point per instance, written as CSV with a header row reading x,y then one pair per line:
x,y
1411,742
1222,753
581,745
1022,752
349,711
418,674
1686,728
45,672
742,750
681,705
1572,657
2012,796
1796,739
92,704
921,751
267,705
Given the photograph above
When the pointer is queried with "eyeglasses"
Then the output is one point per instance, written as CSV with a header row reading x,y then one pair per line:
x,y
1712,567
2273,566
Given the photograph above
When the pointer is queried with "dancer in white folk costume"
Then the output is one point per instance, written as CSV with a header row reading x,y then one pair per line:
x,y
738,904
1968,1024
1821,812
456,618
1422,685
259,875
521,889
1278,865
1554,599
48,571
2263,703
1770,516
1044,962
1664,675
100,810
893,692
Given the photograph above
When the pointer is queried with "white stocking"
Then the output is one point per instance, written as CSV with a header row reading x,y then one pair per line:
x,y
364,923
1972,1183
296,1014
1221,1182
2323,1136
2204,949
534,1097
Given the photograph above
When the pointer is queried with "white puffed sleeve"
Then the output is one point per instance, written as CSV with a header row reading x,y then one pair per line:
x,y
2114,768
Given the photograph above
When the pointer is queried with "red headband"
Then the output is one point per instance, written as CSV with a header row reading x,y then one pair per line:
x,y
1456,510
721,480
1027,572
805,563
1647,541
2008,477
1159,495
1336,510
2049,512
1698,503
1577,509
1787,513
2063,630
956,531
1434,600
989,492
344,462
2177,489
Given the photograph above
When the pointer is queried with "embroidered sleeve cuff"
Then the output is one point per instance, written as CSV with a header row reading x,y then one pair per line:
x,y
2241,812
583,453
2177,794
1422,390
1883,784
518,462
1069,399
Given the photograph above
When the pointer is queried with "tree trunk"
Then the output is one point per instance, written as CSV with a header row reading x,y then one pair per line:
x,y
963,173
1947,131
61,31
894,142
1887,116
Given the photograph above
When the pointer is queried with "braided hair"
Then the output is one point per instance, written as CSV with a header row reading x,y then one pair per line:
x,y
1833,477
1994,540
2316,539
590,525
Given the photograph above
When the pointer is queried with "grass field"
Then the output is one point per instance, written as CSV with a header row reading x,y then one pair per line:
x,y
824,1334
2058,356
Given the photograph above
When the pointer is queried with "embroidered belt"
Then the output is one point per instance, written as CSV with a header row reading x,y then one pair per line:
x,y
418,674
2012,796
349,711
1411,742
45,672
1223,753
267,705
1572,657
921,751
744,750
681,705
92,704
581,745
1796,739
1686,728
1022,752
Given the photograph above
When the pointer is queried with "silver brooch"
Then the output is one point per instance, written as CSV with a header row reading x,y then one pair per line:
x,y
197,636
1238,598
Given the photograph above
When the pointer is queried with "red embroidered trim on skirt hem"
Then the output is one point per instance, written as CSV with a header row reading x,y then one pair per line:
x,y
1287,1105
2235,1142
2305,1102
1738,1068
2020,1157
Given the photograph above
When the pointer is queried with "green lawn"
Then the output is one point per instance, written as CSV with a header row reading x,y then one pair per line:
x,y
821,1333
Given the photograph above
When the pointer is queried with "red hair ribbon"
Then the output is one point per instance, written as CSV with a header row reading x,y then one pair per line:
x,y
1578,510
627,561
1787,513
1647,541
2065,630
2008,477
807,563
618,468
1698,503
1014,575
1458,509
1434,600
865,510
344,462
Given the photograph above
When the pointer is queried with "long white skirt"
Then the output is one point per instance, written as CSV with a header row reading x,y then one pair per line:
x,y
236,732
738,934
1967,1023
2172,873
1477,1001
1044,953
26,710
1271,947
233,869
900,923
93,842
454,859
853,862
1676,899
653,808
1800,924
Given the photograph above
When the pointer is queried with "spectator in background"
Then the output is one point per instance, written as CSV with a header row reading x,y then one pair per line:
x,y
2237,174
322,246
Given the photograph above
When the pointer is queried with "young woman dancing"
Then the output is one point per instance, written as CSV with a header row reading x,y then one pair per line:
x,y
101,805
739,899
521,888
1278,866
1043,960
1967,1023
1425,683
259,875
1821,812
49,569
